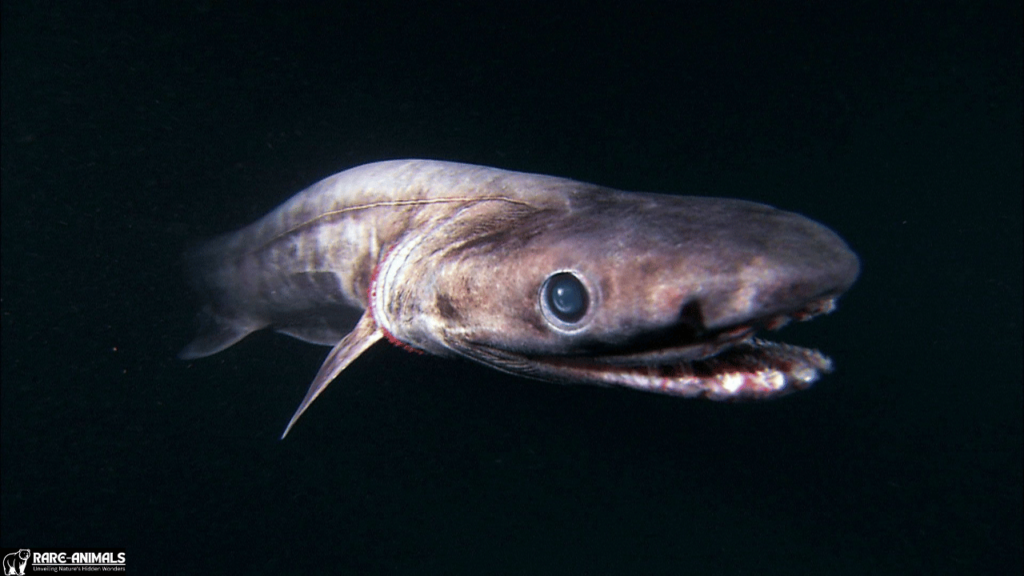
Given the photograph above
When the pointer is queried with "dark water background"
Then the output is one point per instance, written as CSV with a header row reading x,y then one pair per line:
x,y
129,131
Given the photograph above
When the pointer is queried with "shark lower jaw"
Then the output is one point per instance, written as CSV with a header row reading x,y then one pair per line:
x,y
751,370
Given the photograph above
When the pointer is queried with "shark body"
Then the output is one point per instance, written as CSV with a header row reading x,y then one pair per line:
x,y
535,275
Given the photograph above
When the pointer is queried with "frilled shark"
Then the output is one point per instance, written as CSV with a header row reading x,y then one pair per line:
x,y
538,276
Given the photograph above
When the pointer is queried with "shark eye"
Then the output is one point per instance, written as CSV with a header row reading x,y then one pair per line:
x,y
565,297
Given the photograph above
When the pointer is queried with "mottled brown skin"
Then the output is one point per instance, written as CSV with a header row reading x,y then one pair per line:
x,y
451,259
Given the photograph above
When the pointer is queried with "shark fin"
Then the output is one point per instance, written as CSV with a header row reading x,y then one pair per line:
x,y
365,334
216,333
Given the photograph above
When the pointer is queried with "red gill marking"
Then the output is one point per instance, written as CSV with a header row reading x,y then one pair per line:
x,y
371,291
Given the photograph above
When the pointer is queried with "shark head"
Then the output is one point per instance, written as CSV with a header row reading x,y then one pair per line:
x,y
655,292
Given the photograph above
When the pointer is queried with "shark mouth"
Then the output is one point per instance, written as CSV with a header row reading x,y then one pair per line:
x,y
729,364
753,369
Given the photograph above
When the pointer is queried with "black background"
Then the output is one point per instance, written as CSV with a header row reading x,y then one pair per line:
x,y
130,130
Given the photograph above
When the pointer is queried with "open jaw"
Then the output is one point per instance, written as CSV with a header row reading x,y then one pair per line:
x,y
729,364
751,369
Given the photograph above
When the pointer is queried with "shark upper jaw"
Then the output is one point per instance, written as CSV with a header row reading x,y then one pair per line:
x,y
727,364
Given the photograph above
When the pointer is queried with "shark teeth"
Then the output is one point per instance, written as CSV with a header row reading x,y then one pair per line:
x,y
751,370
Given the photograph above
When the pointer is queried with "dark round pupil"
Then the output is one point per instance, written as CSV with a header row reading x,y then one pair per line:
x,y
567,298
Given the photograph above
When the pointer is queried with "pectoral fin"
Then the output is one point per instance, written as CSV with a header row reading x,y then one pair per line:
x,y
364,335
